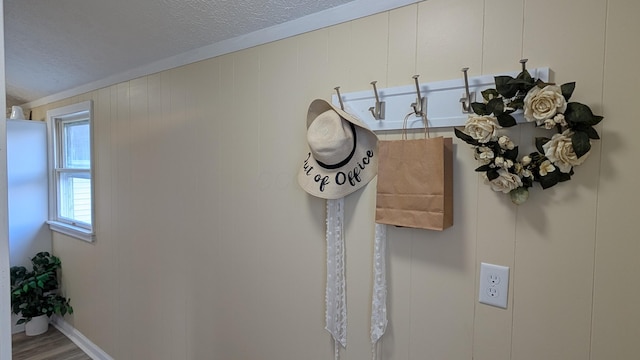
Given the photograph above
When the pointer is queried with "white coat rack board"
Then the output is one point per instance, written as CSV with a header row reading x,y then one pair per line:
x,y
444,101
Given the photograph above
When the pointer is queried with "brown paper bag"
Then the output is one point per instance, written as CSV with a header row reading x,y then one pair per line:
x,y
415,183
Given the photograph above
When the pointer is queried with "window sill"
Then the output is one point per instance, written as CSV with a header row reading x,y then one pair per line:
x,y
73,231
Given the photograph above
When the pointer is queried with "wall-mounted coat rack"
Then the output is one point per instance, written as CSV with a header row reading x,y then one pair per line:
x,y
447,102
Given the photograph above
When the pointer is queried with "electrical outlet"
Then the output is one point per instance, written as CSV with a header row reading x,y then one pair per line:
x,y
494,285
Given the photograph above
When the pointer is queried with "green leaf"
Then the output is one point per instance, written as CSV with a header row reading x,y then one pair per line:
x,y
489,94
550,179
517,103
541,141
504,88
581,143
511,154
506,120
578,113
524,75
495,106
466,138
595,120
565,176
480,108
492,174
527,83
567,90
541,84
591,132
486,167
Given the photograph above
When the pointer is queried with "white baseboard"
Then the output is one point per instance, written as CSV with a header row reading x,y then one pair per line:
x,y
80,340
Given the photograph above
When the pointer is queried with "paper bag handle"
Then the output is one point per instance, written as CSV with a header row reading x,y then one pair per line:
x,y
425,121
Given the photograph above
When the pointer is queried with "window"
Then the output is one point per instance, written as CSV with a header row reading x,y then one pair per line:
x,y
71,186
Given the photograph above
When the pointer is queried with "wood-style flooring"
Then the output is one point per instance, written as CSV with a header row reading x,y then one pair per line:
x,y
52,345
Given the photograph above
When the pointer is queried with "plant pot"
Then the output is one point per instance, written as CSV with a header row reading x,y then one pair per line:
x,y
37,325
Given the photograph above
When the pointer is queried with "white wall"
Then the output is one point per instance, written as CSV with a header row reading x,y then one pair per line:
x,y
5,299
207,248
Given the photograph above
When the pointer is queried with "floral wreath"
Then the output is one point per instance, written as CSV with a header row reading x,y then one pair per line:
x,y
548,106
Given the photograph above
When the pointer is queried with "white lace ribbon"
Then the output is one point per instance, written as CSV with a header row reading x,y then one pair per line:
x,y
379,293
335,295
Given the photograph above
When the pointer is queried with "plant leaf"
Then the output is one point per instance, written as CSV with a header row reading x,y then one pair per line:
x,y
567,90
541,84
466,138
592,133
578,113
495,106
550,179
486,167
479,108
541,141
489,94
517,103
581,143
524,74
565,176
506,120
504,88
595,120
492,174
511,154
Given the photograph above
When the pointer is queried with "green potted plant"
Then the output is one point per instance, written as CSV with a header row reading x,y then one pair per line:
x,y
34,294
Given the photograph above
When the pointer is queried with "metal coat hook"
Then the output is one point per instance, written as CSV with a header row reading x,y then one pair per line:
x,y
468,97
524,64
378,110
337,89
420,106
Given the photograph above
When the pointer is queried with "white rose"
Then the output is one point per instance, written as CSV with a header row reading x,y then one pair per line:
x,y
541,104
549,124
484,155
560,120
560,151
508,164
526,160
499,161
506,143
481,128
505,182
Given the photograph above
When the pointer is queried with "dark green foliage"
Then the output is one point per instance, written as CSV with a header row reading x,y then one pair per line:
x,y
34,293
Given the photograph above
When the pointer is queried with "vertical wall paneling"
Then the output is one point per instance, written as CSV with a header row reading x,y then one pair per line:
x,y
401,57
616,320
401,67
554,254
444,49
203,101
207,248
492,326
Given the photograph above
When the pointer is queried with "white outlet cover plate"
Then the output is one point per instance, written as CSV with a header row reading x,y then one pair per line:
x,y
494,285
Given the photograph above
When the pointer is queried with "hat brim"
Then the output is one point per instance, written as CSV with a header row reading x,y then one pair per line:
x,y
356,173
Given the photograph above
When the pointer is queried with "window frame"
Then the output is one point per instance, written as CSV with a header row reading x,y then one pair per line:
x,y
56,118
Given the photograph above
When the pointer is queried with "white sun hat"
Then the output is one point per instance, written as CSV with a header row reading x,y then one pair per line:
x,y
343,152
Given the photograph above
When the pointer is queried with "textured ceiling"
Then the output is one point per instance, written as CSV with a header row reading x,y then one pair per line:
x,y
52,46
